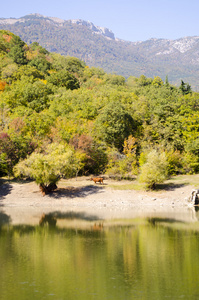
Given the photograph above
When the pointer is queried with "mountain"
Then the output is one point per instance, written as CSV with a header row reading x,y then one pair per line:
x,y
98,46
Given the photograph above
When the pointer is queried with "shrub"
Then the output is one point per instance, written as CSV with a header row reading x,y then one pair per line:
x,y
175,163
190,163
48,168
154,170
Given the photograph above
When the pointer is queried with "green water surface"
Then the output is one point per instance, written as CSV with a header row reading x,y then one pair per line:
x,y
140,259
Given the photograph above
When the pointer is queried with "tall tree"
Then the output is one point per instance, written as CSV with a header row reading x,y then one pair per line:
x,y
17,51
114,124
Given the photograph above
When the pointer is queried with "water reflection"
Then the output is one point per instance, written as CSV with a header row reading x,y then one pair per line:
x,y
77,255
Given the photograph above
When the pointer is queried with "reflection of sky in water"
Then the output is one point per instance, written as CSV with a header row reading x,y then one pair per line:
x,y
77,255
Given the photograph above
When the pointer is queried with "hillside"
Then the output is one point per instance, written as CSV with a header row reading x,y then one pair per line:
x,y
97,46
62,118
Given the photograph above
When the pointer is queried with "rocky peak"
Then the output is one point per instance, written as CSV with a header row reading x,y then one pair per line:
x,y
59,22
185,44
96,29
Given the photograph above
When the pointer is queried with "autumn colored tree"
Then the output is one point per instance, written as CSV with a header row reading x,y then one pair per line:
x,y
95,158
2,85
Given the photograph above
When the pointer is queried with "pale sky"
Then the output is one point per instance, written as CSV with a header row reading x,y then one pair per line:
x,y
129,20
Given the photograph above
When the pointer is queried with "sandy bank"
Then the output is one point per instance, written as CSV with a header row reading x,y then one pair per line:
x,y
84,193
24,203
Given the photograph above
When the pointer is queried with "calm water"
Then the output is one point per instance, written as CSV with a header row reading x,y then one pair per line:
x,y
64,256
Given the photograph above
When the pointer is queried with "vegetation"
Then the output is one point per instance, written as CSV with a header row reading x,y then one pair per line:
x,y
154,57
154,170
49,166
60,118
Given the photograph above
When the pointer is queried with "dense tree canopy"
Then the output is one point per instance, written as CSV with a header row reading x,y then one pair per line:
x,y
114,124
47,98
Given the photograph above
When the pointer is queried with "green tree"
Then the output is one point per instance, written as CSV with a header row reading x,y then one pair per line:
x,y
17,51
36,96
144,81
11,150
28,71
36,47
185,88
64,79
67,63
27,93
114,124
115,79
167,81
154,171
8,155
41,64
49,167
8,71
157,81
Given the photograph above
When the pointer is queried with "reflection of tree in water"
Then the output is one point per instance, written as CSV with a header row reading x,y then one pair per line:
x,y
47,219
72,215
155,220
51,219
169,222
48,223
4,219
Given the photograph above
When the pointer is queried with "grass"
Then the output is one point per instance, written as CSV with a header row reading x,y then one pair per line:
x,y
127,186
185,179
175,181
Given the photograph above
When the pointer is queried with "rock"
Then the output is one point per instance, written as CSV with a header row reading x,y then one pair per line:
x,y
194,198
96,29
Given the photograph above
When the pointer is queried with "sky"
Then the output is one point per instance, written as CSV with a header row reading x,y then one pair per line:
x,y
129,20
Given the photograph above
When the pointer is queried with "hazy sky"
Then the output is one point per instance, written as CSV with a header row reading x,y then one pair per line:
x,y
128,19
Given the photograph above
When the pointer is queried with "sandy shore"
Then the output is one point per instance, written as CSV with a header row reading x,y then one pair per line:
x,y
24,201
84,193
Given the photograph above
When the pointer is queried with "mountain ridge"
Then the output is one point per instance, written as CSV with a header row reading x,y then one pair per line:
x,y
97,46
97,29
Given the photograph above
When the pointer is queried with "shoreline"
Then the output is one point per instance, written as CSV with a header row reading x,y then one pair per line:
x,y
82,193
82,201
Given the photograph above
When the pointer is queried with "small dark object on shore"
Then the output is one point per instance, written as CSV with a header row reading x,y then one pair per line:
x,y
47,189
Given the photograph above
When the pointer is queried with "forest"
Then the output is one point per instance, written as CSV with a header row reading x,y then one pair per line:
x,y
60,118
113,55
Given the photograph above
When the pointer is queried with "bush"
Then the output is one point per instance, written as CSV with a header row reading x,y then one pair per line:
x,y
48,168
175,163
154,170
190,163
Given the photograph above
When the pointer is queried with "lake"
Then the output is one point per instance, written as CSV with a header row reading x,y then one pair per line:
x,y
79,255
